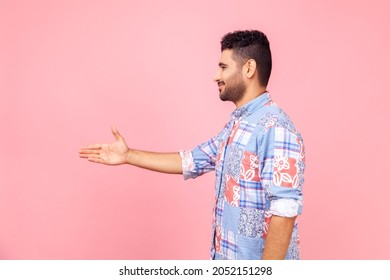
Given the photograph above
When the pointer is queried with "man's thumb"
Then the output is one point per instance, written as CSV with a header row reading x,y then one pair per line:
x,y
115,132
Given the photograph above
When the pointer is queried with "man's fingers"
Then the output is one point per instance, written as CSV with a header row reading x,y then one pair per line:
x,y
88,155
96,159
92,147
89,152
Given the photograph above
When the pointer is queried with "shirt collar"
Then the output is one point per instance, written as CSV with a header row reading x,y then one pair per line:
x,y
251,106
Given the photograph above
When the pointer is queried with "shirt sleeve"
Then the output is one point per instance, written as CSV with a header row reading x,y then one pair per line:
x,y
201,159
282,172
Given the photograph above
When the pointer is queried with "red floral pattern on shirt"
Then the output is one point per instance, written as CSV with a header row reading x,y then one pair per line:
x,y
232,191
218,233
249,167
267,220
285,172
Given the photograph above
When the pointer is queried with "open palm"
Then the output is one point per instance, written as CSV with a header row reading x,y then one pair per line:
x,y
112,154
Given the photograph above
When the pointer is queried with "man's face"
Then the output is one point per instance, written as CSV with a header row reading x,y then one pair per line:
x,y
229,78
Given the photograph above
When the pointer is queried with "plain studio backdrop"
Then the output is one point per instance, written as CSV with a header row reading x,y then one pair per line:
x,y
70,69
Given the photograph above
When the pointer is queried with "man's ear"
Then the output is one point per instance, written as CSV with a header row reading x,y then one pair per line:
x,y
249,68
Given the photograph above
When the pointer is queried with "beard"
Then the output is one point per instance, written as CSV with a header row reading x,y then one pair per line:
x,y
234,89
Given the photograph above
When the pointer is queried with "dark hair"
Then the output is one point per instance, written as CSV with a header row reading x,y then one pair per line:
x,y
250,44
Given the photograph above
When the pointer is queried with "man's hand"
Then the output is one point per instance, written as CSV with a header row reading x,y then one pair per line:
x,y
119,153
110,154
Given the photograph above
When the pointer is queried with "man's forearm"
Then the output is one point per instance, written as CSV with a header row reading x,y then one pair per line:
x,y
278,238
160,162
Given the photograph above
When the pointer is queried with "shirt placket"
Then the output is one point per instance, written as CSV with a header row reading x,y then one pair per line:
x,y
220,181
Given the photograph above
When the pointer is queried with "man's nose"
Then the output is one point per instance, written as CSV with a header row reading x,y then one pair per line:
x,y
217,77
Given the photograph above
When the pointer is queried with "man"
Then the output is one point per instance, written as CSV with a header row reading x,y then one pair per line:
x,y
258,158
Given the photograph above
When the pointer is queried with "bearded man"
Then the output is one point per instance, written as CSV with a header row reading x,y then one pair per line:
x,y
258,159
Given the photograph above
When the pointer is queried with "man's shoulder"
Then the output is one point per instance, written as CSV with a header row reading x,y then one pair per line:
x,y
270,116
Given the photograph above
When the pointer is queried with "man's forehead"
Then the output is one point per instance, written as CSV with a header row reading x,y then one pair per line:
x,y
226,56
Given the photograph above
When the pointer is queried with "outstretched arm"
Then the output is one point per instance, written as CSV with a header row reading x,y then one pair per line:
x,y
118,152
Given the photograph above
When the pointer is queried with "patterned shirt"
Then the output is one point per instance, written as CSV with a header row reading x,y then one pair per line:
x,y
259,162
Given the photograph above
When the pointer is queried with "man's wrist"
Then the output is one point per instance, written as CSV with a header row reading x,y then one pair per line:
x,y
130,157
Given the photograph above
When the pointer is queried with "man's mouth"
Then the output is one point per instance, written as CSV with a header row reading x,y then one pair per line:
x,y
220,84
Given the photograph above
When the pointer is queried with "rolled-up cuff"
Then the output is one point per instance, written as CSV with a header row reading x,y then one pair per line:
x,y
187,163
285,207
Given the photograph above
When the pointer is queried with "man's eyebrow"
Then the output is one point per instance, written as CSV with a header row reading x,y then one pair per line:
x,y
221,64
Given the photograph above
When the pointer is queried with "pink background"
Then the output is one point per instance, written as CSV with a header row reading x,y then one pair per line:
x,y
71,69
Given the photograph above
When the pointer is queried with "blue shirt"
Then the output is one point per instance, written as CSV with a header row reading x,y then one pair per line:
x,y
258,160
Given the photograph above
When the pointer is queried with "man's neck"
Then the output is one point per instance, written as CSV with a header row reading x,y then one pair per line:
x,y
249,95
